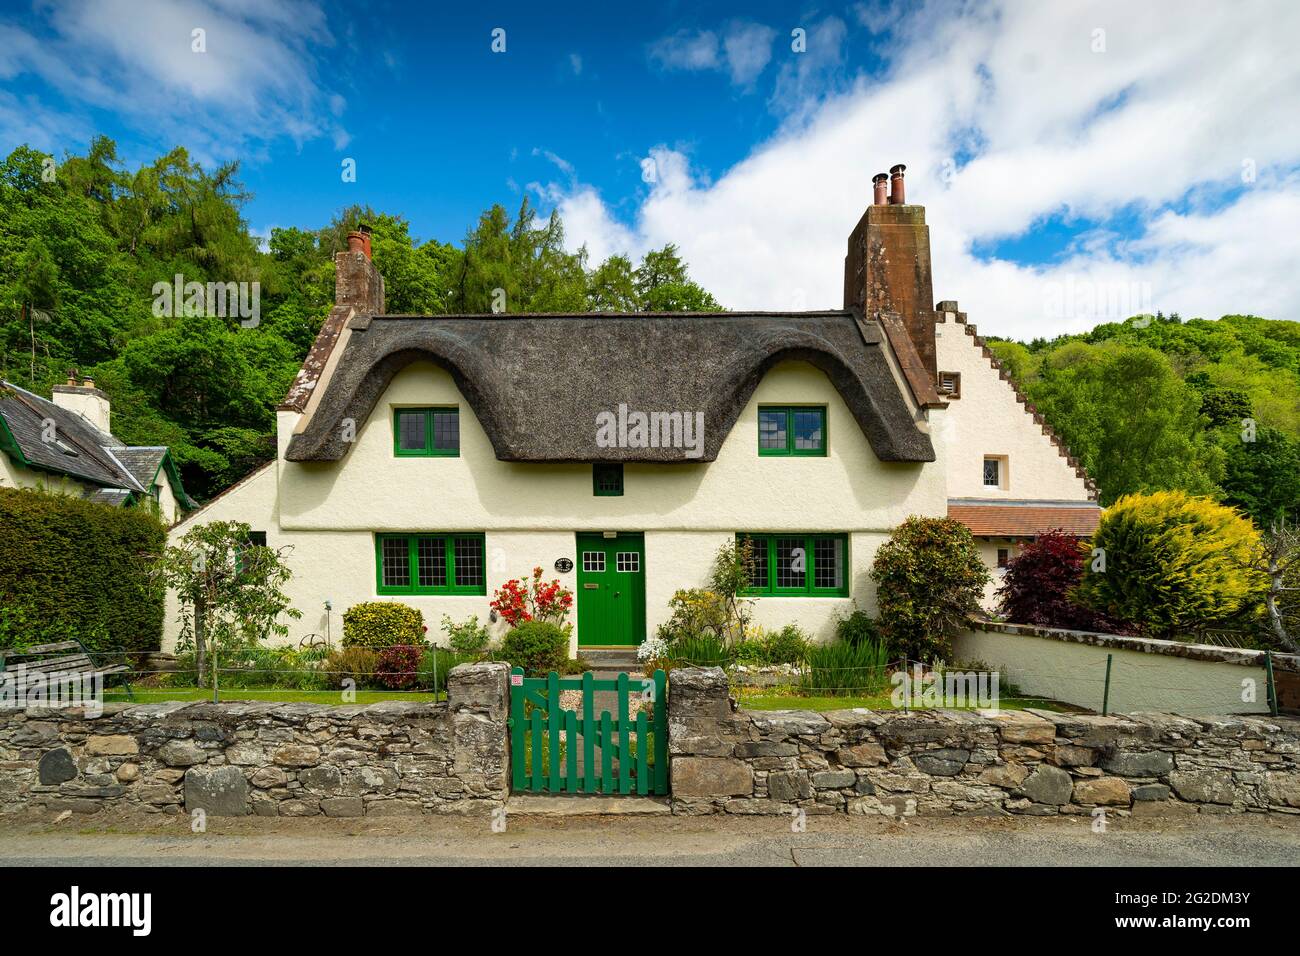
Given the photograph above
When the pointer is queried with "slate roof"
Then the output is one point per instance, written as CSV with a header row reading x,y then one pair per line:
x,y
538,382
142,461
80,450
999,518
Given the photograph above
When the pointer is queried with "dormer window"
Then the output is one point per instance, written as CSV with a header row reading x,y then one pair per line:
x,y
792,430
426,432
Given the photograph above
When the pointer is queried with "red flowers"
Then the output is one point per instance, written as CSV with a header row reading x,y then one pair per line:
x,y
531,600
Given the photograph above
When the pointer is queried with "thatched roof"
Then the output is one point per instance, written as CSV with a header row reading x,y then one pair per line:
x,y
538,383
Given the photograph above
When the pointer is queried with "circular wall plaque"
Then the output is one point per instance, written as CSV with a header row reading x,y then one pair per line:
x,y
563,565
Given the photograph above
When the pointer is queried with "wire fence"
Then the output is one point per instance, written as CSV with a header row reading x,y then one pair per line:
x,y
348,675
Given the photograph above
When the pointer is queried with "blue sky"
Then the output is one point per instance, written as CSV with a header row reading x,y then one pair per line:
x,y
1089,143
440,125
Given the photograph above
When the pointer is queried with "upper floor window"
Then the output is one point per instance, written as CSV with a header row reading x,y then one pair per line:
x,y
426,432
607,479
792,430
995,472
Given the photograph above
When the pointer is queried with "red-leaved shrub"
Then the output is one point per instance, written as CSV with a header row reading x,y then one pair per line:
x,y
1040,580
399,666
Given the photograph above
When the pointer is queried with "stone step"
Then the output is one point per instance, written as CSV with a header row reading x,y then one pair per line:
x,y
619,660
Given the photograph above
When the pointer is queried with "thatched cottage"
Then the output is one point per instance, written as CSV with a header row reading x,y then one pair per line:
x,y
428,459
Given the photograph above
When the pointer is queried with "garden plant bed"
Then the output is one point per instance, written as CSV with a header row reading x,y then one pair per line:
x,y
157,695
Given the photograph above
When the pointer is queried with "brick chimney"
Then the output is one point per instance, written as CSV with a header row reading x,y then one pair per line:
x,y
356,280
83,398
887,269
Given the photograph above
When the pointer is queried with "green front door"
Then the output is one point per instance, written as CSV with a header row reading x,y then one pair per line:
x,y
611,590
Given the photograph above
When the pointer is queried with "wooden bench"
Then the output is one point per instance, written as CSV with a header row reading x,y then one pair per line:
x,y
67,666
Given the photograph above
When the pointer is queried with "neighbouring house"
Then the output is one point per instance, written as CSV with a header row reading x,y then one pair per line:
x,y
428,459
1010,478
65,446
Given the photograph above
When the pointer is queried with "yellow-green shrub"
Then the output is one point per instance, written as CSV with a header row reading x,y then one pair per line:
x,y
382,624
1172,562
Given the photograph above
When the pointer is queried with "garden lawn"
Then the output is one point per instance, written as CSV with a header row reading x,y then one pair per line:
x,y
875,702
155,695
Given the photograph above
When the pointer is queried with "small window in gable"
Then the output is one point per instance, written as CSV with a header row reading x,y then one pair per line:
x,y
426,432
995,472
950,384
792,430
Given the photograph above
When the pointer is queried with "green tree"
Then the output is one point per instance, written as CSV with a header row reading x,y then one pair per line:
x,y
1129,418
230,590
612,287
663,285
1262,474
1170,563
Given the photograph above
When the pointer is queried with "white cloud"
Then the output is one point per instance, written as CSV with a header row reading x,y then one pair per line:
x,y
687,50
743,51
1043,126
748,48
575,64
254,80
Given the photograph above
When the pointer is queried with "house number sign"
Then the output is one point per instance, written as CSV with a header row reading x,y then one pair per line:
x,y
563,565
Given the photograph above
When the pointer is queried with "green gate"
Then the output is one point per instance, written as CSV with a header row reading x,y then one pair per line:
x,y
553,750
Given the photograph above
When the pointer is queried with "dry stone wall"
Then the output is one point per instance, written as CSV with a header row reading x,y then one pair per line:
x,y
236,759
935,762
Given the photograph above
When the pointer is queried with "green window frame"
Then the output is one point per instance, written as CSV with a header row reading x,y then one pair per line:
x,y
255,539
780,428
439,426
428,562
798,564
607,479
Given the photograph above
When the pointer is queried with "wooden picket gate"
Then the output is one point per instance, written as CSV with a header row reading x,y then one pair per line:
x,y
553,750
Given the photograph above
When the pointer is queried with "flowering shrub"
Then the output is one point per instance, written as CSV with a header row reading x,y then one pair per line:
x,y
531,599
652,649
399,666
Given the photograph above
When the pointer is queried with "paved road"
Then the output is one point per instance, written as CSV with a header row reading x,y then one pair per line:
x,y
638,841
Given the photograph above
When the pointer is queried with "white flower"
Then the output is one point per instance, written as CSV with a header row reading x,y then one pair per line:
x,y
652,648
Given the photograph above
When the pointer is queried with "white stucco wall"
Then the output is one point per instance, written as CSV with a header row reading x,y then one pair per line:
x,y
988,421
14,475
1139,681
988,549
531,512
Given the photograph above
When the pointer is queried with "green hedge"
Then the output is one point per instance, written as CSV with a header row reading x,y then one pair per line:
x,y
71,568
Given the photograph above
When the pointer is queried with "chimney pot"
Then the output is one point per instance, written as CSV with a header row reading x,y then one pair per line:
x,y
365,239
878,181
88,383
897,196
